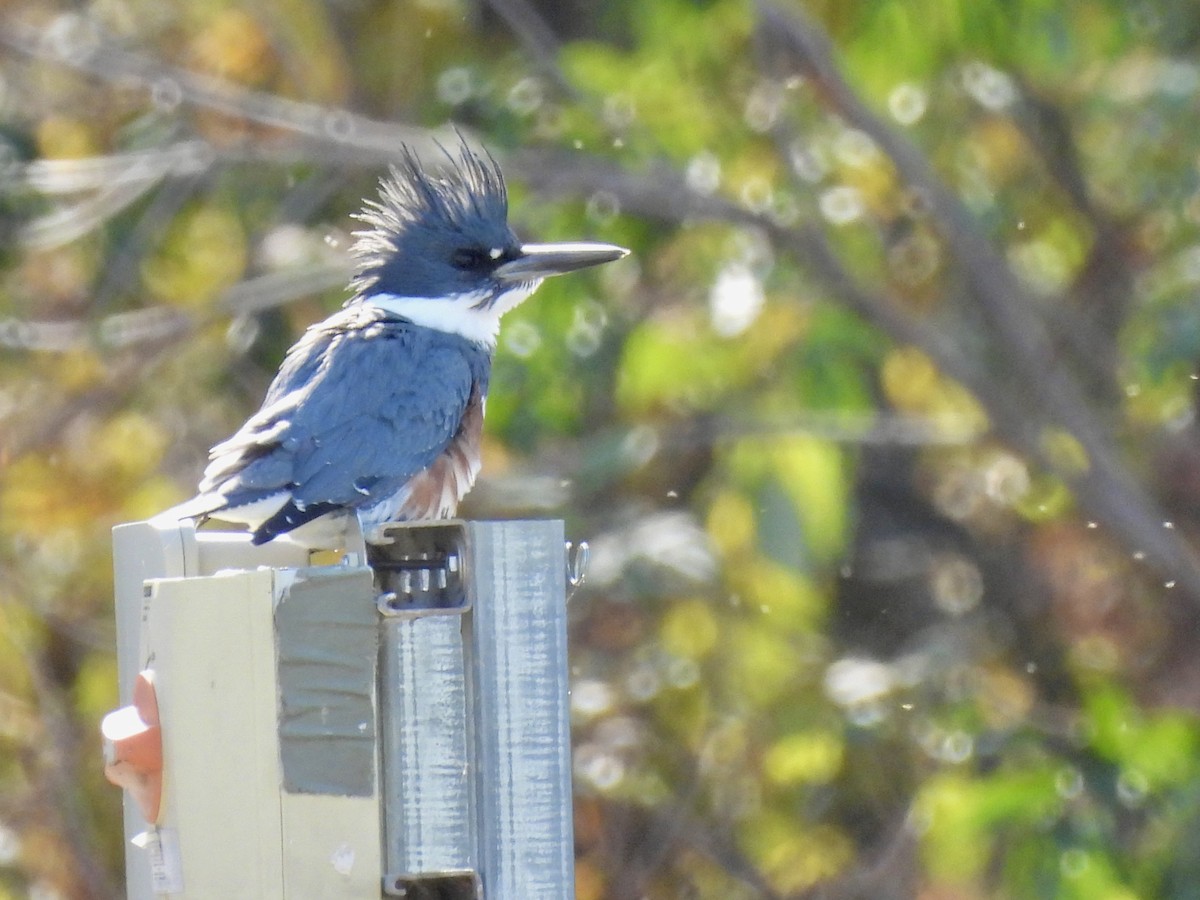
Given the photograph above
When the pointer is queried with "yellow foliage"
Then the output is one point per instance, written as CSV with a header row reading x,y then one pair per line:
x,y
589,881
1164,402
913,384
810,470
1046,499
953,847
79,370
18,630
1090,875
656,89
497,457
19,721
818,855
204,254
731,523
785,596
1064,451
685,712
96,686
1005,698
689,629
308,30
777,329
792,855
680,361
909,377
129,444
761,664
105,465
149,497
812,474
125,446
1000,148
754,168
875,183
672,364
806,757
960,814
725,745
236,47
62,137
36,497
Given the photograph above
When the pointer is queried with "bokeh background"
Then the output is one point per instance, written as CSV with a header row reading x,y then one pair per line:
x,y
884,439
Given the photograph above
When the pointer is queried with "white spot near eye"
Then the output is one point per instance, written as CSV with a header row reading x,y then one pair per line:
x,y
495,253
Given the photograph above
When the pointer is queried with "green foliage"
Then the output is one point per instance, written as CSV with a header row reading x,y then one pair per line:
x,y
894,509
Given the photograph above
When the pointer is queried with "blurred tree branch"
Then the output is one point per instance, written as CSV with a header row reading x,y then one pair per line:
x,y
536,37
1041,368
1105,489
51,762
328,133
1049,394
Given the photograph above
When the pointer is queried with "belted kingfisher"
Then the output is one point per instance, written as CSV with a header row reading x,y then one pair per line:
x,y
377,412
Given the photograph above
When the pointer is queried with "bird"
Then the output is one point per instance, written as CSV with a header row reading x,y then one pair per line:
x,y
376,413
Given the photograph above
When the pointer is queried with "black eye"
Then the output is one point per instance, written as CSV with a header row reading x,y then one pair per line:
x,y
469,258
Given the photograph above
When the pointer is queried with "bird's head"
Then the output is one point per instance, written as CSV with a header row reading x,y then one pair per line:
x,y
438,248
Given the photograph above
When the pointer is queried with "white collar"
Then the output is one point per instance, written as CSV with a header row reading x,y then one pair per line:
x,y
461,314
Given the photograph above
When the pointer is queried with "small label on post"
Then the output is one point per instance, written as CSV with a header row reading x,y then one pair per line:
x,y
166,866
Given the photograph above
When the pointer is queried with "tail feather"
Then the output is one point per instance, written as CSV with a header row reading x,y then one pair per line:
x,y
289,517
199,507
252,512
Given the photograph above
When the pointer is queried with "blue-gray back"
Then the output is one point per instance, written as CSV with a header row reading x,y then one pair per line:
x,y
363,402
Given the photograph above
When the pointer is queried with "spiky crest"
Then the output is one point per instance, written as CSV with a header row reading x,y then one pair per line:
x,y
469,188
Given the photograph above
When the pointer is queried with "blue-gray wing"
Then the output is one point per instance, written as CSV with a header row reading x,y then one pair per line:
x,y
359,407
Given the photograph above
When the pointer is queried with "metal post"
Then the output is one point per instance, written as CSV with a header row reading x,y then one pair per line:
x,y
425,757
345,731
476,751
522,738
